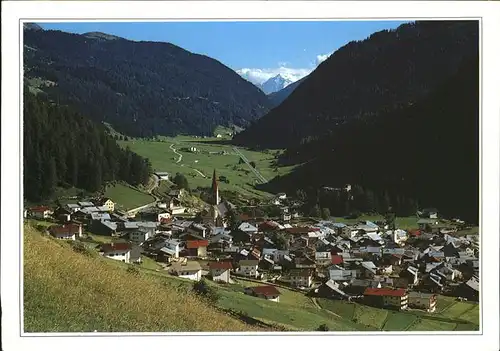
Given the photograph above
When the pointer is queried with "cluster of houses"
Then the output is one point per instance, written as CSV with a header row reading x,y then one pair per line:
x,y
386,268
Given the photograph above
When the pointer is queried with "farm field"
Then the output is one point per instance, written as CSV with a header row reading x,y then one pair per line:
x,y
382,319
198,167
127,198
457,309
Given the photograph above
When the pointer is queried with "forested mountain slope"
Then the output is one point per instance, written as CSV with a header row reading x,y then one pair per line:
x,y
64,148
140,88
365,79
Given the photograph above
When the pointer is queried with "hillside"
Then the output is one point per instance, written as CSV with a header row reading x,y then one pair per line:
x,y
427,151
63,148
140,88
364,79
279,96
65,291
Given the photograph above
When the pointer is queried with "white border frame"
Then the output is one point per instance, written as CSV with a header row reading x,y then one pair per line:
x,y
257,10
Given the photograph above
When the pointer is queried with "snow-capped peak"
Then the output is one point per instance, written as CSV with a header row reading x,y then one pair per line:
x,y
276,83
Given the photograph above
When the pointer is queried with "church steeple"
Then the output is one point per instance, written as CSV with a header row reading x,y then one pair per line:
x,y
215,189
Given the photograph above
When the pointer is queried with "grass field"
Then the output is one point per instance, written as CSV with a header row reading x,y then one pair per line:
x,y
401,222
127,198
286,312
424,324
241,179
471,315
457,309
382,319
65,291
399,321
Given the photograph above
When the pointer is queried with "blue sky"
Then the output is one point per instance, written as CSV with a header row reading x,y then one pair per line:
x,y
257,50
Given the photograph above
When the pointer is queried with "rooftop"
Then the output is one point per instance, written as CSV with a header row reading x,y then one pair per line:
x,y
385,292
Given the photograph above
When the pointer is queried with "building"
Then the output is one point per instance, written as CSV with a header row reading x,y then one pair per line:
x,y
386,297
249,268
66,232
423,301
108,203
197,248
220,271
162,175
267,292
139,236
41,212
188,269
215,190
117,251
299,277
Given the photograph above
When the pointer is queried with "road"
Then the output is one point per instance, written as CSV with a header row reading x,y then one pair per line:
x,y
194,169
177,153
256,172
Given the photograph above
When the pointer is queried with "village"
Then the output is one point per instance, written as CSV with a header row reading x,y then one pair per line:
x,y
367,262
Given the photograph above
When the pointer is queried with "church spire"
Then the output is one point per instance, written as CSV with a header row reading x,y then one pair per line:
x,y
215,189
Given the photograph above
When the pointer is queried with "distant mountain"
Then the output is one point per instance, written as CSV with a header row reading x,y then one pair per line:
x,y
275,84
140,88
278,97
366,78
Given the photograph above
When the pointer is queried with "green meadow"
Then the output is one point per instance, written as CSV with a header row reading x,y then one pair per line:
x,y
210,154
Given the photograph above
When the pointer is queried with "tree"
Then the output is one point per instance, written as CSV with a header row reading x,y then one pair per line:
x,y
253,164
202,289
325,213
323,327
181,181
390,219
315,211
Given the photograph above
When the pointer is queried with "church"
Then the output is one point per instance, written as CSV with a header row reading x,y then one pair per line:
x,y
218,208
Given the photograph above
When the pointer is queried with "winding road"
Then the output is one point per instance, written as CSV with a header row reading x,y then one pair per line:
x,y
256,172
177,153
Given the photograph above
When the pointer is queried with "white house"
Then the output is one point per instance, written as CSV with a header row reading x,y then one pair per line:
x,y
73,207
188,269
117,251
41,212
220,271
299,277
66,232
249,268
248,228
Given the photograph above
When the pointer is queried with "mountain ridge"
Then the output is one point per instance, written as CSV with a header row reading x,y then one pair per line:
x,y
141,88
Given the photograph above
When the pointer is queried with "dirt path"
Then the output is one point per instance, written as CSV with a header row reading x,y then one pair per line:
x,y
194,169
177,153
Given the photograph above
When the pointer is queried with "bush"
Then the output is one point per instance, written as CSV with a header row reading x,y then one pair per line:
x,y
323,327
205,291
80,247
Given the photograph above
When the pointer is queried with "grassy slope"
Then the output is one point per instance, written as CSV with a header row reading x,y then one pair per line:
x,y
447,316
66,291
127,198
241,179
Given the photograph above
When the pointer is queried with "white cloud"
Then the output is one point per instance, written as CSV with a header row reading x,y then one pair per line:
x,y
260,75
321,58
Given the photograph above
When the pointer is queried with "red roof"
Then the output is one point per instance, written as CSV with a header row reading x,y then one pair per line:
x,y
40,209
415,232
266,290
384,292
66,228
220,265
302,230
337,259
194,244
116,247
